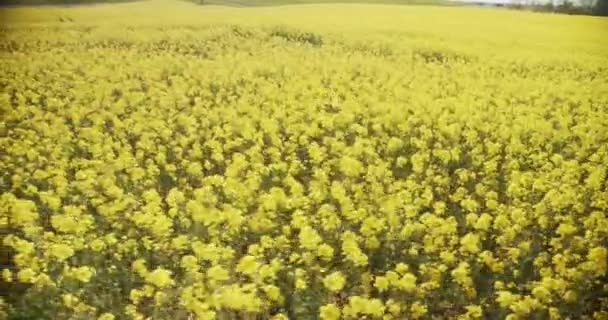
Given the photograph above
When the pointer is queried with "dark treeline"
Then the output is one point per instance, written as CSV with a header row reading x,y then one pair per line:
x,y
598,8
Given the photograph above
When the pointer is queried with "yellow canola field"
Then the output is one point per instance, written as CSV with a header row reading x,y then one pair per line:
x,y
162,160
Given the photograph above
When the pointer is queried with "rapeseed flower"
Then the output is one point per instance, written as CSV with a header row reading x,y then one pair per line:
x,y
334,281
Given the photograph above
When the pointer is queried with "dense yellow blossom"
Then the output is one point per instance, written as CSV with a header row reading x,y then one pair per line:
x,y
334,281
385,162
159,277
470,243
26,275
106,316
359,306
83,274
381,283
418,310
329,312
61,251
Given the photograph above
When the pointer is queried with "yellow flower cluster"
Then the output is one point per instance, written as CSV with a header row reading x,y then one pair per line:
x,y
279,169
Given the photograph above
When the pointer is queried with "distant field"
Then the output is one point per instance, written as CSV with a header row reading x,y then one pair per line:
x,y
255,3
232,3
167,160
